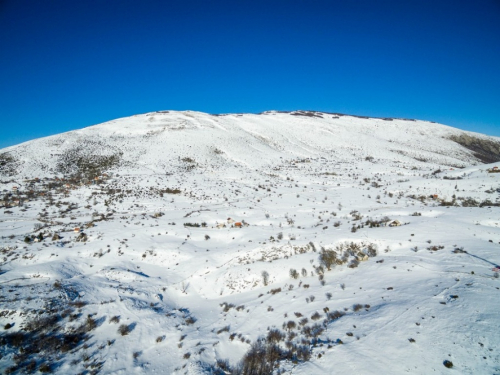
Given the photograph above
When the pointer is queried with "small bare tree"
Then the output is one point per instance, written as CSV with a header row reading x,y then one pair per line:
x,y
184,287
265,277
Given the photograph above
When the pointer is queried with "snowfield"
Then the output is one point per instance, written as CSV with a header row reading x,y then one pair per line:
x,y
278,243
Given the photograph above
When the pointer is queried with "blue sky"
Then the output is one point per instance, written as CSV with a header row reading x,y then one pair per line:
x,y
70,64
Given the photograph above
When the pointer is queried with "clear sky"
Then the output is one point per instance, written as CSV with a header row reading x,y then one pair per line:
x,y
67,64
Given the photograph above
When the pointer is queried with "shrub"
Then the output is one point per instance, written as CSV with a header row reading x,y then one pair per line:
x,y
316,330
320,271
334,315
275,335
223,329
328,258
316,316
90,324
435,248
227,306
193,225
265,277
354,263
114,319
357,307
42,324
469,202
303,353
45,368
291,325
294,274
223,364
38,226
78,304
371,250
124,330
255,361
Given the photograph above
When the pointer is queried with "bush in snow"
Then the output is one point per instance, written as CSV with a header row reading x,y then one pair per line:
x,y
328,258
124,330
265,277
275,335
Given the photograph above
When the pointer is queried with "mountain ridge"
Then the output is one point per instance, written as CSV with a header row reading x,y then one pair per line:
x,y
270,132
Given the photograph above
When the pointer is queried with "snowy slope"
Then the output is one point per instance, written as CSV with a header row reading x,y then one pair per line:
x,y
162,282
155,141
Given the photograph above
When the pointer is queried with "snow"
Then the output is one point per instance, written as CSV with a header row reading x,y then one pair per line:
x,y
301,183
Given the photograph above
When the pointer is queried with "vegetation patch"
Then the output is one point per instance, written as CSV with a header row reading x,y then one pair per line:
x,y
43,340
88,159
487,151
8,164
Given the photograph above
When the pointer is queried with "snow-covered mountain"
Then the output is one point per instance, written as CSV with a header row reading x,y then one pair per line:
x,y
159,142
299,242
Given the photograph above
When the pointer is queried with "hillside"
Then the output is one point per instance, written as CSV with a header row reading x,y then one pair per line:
x,y
293,243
